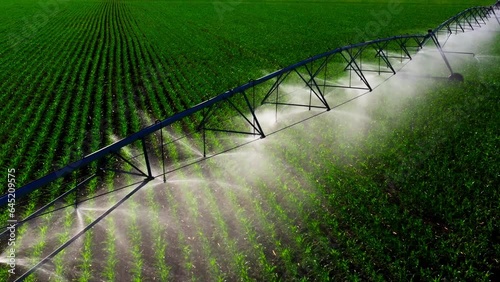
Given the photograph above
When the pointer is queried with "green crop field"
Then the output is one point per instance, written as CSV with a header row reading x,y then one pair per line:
x,y
413,196
124,64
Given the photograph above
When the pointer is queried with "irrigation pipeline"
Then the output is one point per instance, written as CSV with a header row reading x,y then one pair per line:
x,y
351,56
466,20
469,19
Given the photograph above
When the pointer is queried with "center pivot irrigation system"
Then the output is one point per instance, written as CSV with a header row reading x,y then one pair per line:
x,y
313,72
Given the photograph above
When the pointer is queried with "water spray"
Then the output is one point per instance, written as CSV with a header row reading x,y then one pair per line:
x,y
453,76
495,14
79,234
207,108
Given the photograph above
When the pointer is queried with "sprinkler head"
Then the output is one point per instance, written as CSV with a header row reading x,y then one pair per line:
x,y
100,172
456,77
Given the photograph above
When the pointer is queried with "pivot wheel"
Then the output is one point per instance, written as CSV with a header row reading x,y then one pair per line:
x,y
456,77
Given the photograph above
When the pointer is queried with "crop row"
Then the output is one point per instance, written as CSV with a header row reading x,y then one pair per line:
x,y
304,209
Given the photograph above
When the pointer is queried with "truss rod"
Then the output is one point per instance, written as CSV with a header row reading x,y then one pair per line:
x,y
355,68
51,203
83,231
130,163
440,49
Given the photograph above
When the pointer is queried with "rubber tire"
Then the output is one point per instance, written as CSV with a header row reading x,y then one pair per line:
x,y
456,77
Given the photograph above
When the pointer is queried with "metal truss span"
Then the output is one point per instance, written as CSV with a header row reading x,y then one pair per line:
x,y
316,75
312,72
